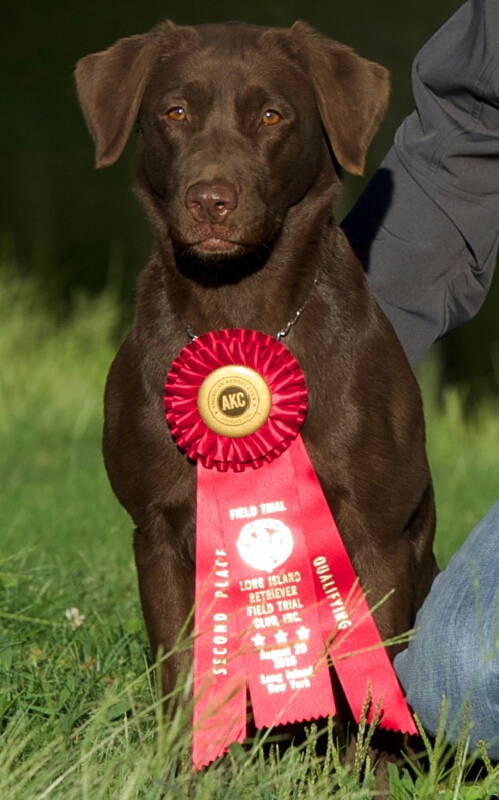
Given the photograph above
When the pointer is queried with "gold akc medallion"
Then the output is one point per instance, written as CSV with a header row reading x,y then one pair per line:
x,y
234,401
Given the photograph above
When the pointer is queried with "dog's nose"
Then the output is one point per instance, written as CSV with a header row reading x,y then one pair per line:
x,y
211,202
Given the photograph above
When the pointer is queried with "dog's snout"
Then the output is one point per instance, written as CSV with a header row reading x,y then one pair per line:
x,y
211,202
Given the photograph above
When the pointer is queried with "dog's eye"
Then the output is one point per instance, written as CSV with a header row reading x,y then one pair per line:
x,y
271,117
177,114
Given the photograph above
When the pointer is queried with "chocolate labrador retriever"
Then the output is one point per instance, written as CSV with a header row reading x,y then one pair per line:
x,y
242,134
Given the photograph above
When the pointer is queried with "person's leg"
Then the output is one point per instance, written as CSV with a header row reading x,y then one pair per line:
x,y
455,652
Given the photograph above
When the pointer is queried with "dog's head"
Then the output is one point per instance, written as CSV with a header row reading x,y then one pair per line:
x,y
239,124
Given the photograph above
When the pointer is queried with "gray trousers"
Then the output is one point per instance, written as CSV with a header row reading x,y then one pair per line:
x,y
426,229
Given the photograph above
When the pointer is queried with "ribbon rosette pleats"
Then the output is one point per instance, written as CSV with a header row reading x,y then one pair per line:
x,y
240,379
277,598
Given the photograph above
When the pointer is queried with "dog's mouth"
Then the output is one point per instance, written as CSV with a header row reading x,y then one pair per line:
x,y
215,261
217,246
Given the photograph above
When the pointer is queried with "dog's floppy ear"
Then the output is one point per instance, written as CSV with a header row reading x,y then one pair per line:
x,y
110,87
352,94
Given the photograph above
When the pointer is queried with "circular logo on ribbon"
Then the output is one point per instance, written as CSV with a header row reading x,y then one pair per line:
x,y
265,544
235,398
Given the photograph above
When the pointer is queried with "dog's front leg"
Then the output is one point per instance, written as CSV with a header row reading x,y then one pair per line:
x,y
166,585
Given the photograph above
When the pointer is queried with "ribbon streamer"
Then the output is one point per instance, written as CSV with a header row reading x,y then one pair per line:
x,y
275,588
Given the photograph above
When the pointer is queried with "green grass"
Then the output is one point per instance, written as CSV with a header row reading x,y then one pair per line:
x,y
79,716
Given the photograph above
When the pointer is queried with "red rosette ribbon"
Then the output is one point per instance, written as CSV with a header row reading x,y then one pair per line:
x,y
276,592
259,352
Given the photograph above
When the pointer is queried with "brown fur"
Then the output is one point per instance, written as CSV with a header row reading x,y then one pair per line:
x,y
242,213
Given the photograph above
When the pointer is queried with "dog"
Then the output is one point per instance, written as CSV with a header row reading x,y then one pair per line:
x,y
243,133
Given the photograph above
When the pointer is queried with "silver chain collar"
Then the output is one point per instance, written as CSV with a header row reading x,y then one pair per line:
x,y
283,332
